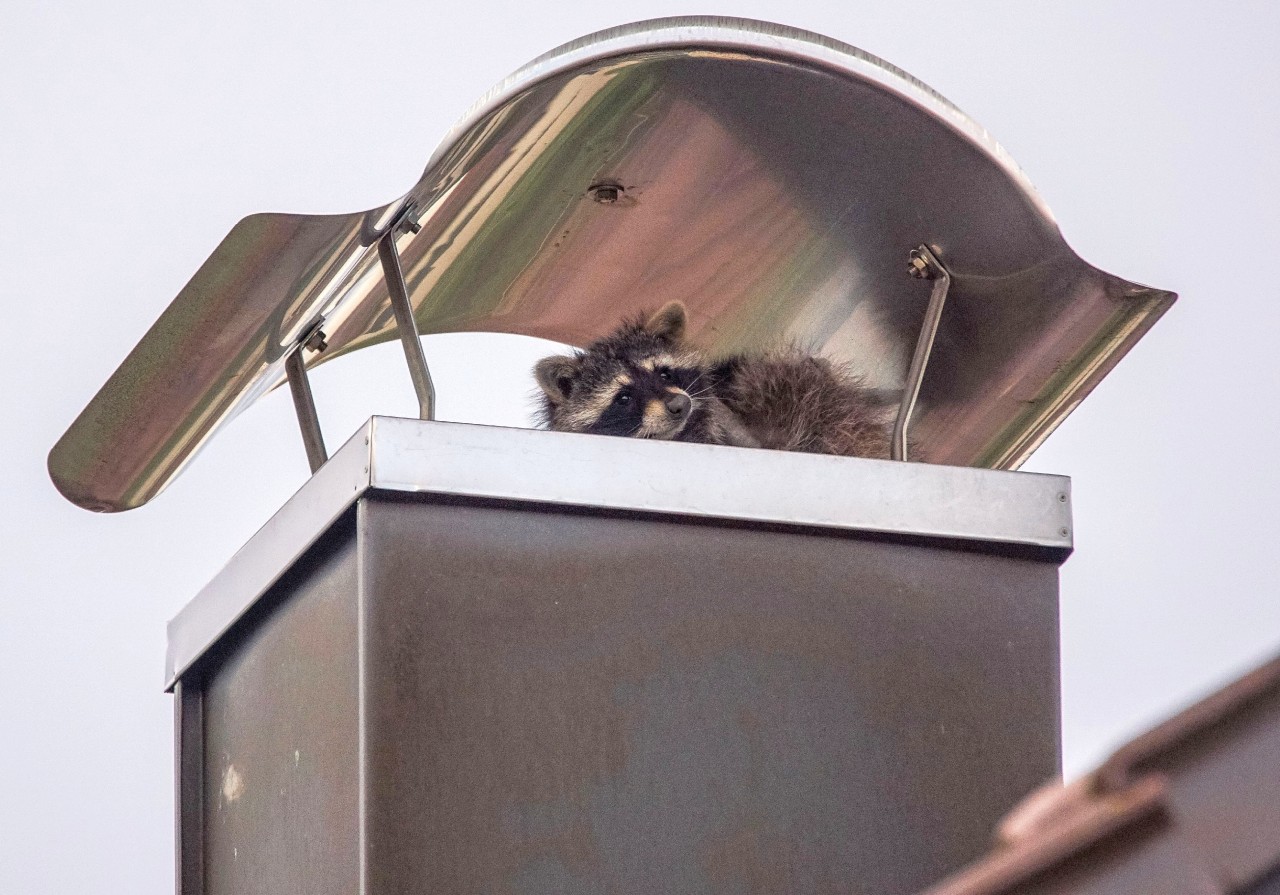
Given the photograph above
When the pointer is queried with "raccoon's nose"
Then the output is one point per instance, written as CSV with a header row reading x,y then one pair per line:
x,y
677,403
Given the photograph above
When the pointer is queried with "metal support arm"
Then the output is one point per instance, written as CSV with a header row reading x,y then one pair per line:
x,y
406,324
926,266
296,368
303,402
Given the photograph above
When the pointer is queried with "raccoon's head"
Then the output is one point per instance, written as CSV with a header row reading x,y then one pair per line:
x,y
639,381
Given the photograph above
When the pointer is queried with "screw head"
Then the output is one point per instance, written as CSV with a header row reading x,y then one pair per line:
x,y
317,341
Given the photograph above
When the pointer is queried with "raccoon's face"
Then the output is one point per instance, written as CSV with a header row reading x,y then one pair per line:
x,y
636,382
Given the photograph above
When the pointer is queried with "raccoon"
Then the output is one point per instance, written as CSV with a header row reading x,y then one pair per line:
x,y
640,381
644,381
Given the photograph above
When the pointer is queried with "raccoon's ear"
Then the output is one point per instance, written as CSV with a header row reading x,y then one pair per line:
x,y
555,376
669,322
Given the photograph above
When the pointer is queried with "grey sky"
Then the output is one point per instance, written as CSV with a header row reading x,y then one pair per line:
x,y
134,135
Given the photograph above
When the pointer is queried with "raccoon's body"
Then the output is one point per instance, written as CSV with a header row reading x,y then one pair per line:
x,y
792,401
644,381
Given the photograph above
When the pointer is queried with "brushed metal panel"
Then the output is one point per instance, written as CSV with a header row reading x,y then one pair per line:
x,y
281,743
571,703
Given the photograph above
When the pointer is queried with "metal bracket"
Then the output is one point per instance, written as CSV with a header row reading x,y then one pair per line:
x,y
389,255
923,265
303,402
296,369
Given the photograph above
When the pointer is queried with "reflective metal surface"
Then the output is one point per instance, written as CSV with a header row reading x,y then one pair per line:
x,y
1009,512
771,179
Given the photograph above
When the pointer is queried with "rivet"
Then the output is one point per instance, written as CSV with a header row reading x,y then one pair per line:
x,y
1063,532
606,192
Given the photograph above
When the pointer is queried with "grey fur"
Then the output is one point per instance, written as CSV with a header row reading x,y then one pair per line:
x,y
784,399
791,401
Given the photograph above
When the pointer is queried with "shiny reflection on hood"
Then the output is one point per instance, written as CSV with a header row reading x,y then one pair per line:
x,y
772,180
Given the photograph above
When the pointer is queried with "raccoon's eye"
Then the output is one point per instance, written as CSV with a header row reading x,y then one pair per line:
x,y
622,398
664,373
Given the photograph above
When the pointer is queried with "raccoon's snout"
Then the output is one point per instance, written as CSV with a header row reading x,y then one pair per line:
x,y
665,415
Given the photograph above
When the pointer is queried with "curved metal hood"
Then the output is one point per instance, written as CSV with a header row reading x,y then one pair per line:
x,y
771,179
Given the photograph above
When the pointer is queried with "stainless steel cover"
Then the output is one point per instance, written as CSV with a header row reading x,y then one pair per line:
x,y
772,179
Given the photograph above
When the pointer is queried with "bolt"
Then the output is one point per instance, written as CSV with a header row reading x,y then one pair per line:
x,y
605,193
408,224
917,266
316,342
